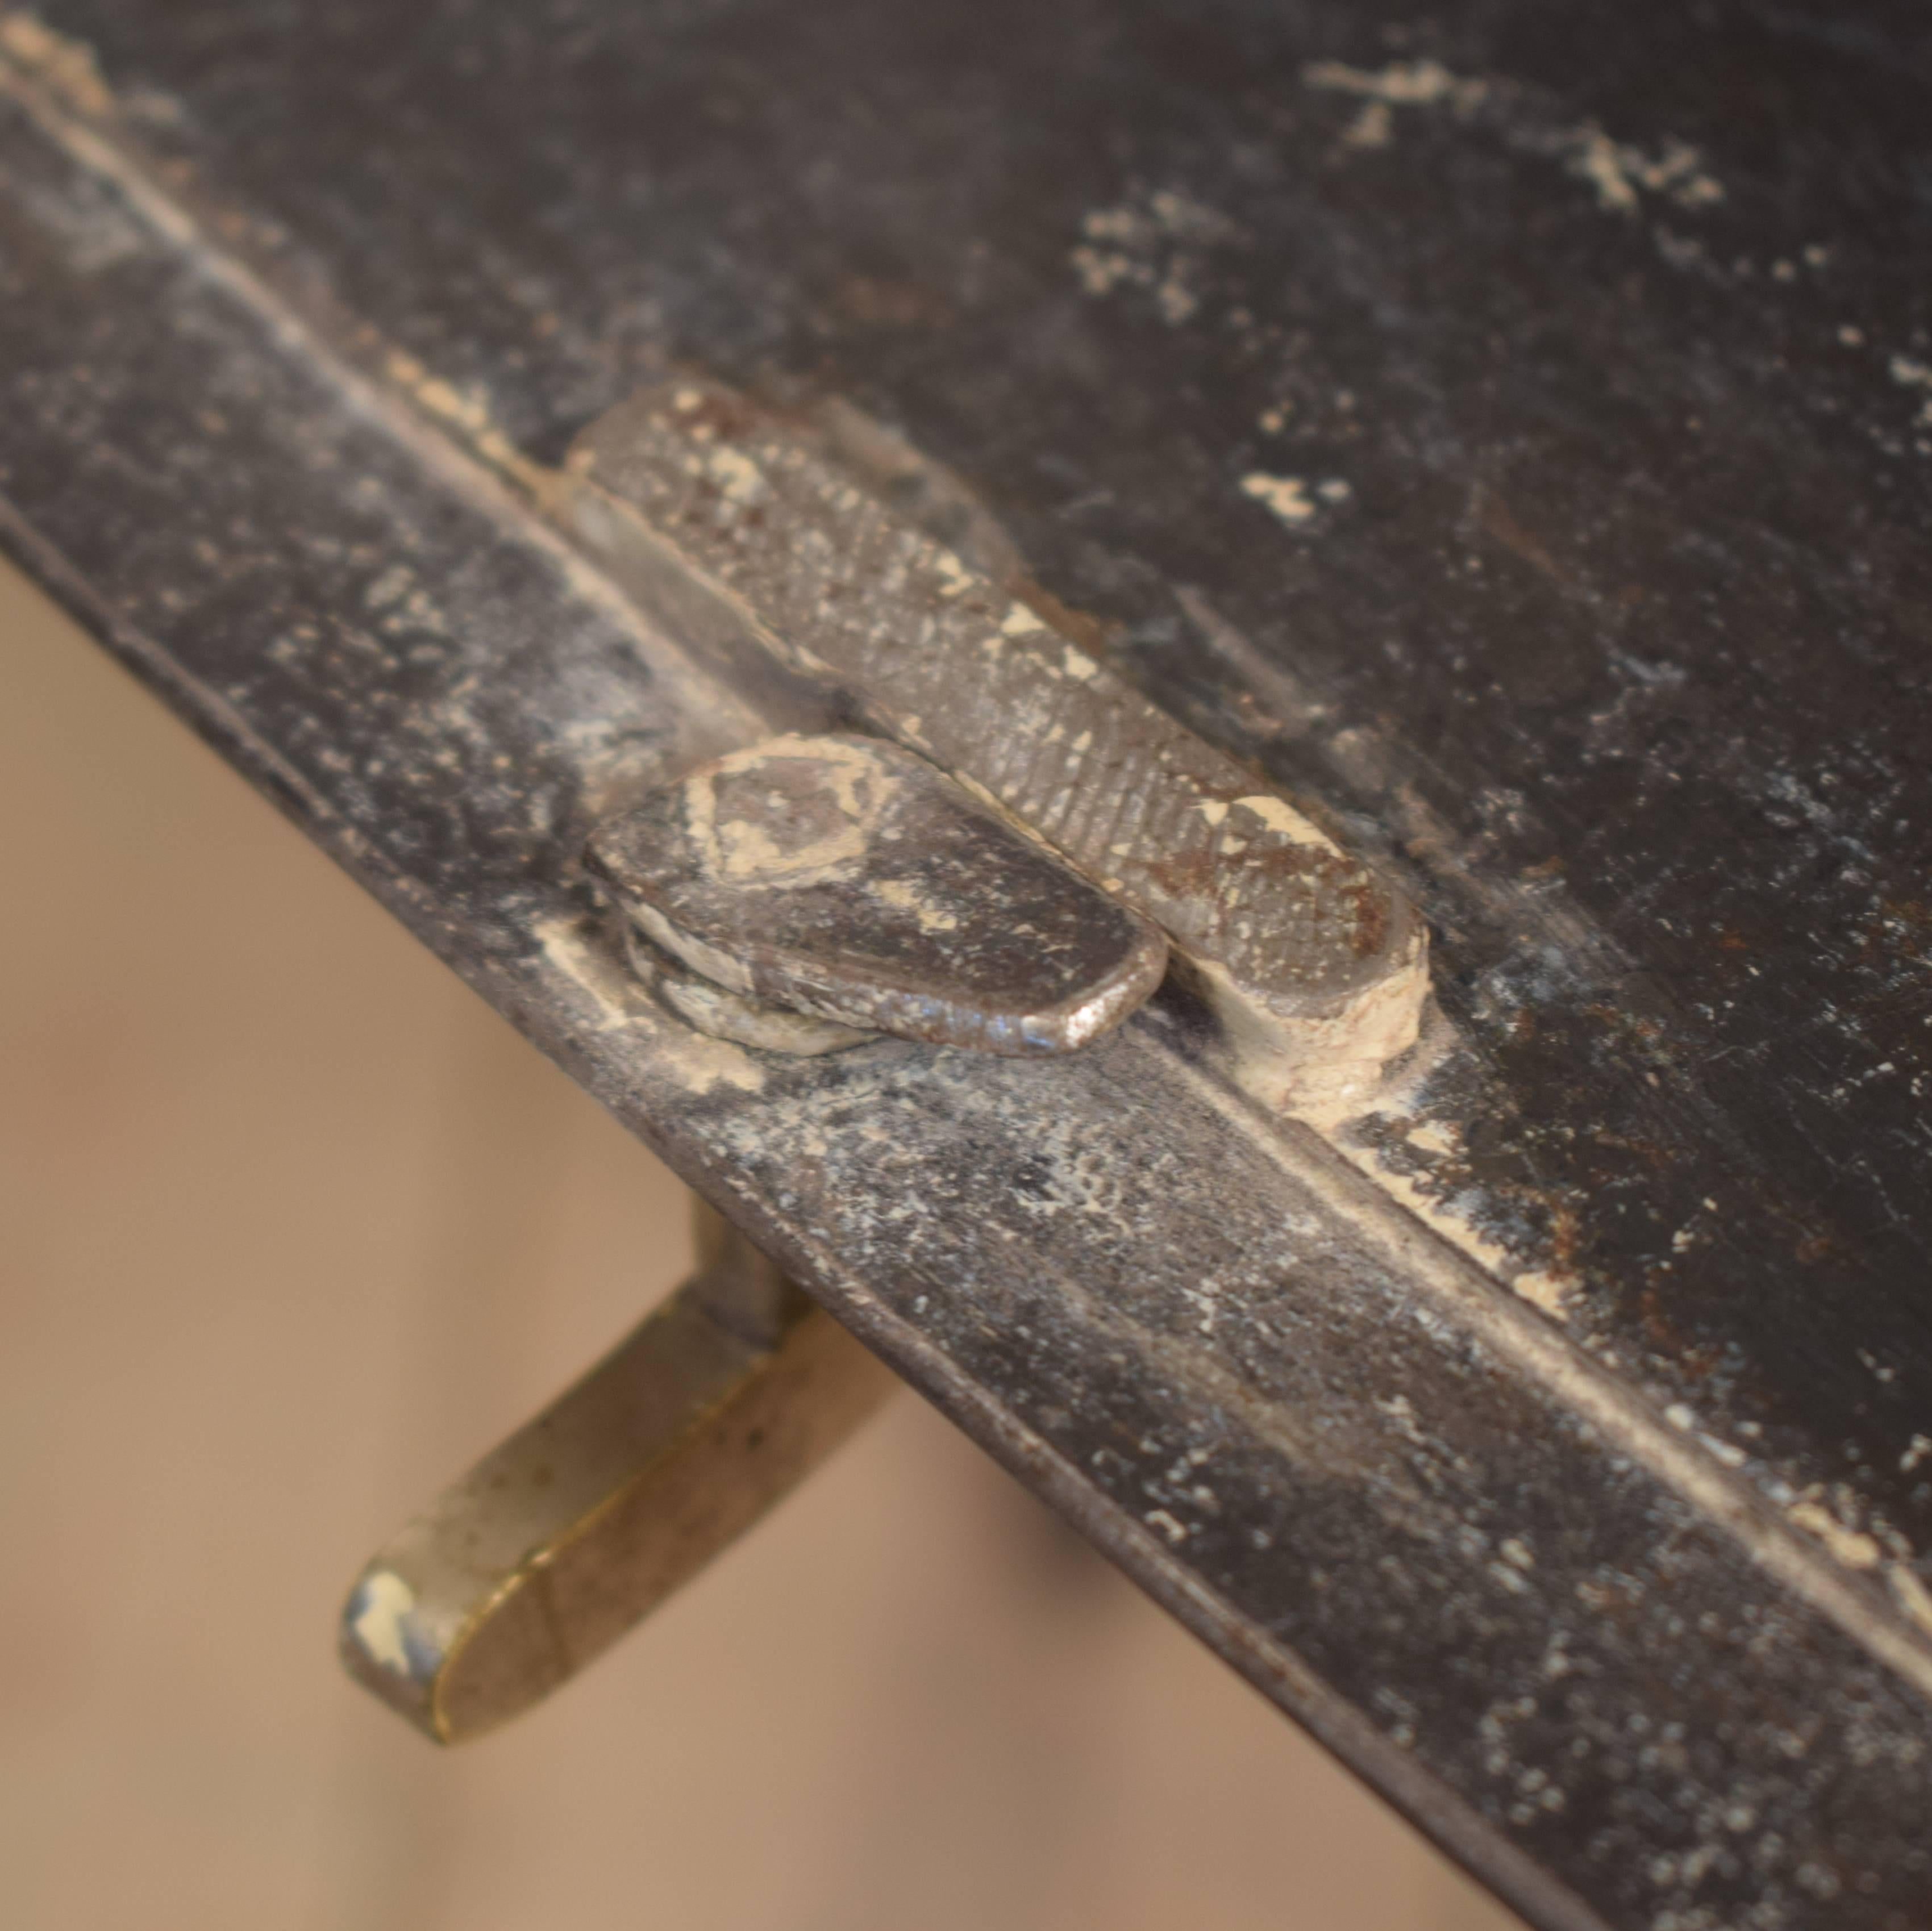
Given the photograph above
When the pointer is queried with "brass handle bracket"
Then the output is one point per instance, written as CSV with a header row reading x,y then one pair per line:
x,y
720,1403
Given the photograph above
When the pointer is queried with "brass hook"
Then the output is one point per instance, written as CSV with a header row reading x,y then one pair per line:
x,y
516,1576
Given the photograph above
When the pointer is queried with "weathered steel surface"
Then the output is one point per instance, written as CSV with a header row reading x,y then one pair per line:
x,y
1508,429
845,878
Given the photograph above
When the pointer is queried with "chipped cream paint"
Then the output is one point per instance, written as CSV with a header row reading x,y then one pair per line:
x,y
67,66
1597,161
1461,1232
566,946
1020,621
1615,170
1287,496
1320,1069
1174,1531
699,1063
746,854
470,414
387,1602
736,474
1400,84
1280,816
1545,1289
931,918
1852,1547
1156,244
955,579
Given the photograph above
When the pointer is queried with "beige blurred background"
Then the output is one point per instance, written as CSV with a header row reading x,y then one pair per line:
x,y
292,1228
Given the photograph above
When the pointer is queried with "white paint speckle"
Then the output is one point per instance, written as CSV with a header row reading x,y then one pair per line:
x,y
1279,815
1286,495
954,577
1853,1547
1542,1289
1402,83
930,917
736,474
387,1599
1914,375
1598,160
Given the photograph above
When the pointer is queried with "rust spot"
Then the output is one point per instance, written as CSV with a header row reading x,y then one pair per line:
x,y
1648,1151
1334,890
1699,1363
1565,1234
1093,634
1662,1333
1371,919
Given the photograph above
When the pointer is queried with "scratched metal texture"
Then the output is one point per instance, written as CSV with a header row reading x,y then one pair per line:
x,y
1610,334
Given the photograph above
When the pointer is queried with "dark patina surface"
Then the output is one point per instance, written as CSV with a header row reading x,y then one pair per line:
x,y
1506,426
